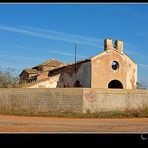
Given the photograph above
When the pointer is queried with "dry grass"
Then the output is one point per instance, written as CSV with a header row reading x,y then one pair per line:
x,y
134,113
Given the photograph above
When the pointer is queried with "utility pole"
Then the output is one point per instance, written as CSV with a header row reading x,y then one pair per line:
x,y
75,57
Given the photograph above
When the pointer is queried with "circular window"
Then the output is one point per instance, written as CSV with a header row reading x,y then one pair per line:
x,y
115,65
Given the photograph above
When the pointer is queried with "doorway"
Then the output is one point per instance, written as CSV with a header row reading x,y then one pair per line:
x,y
115,84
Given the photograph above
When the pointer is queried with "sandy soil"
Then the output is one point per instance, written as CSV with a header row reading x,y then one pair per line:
x,y
53,124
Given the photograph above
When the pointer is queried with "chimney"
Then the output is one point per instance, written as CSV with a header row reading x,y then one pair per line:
x,y
119,45
108,45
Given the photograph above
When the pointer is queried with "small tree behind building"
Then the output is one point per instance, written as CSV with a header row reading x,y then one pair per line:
x,y
140,86
7,80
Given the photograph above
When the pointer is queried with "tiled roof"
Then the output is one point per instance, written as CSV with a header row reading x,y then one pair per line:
x,y
50,63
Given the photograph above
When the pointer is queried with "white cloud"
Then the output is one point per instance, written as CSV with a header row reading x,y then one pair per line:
x,y
16,46
55,35
18,57
66,54
143,65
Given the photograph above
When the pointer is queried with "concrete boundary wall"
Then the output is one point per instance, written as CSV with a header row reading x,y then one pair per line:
x,y
41,100
97,100
77,100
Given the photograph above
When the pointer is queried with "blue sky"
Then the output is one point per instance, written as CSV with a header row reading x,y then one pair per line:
x,y
32,33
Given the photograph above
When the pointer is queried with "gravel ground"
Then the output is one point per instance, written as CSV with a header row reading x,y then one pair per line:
x,y
72,125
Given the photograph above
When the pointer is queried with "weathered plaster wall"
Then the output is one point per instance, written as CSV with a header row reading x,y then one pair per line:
x,y
40,100
66,77
131,76
102,72
83,75
47,83
78,100
97,100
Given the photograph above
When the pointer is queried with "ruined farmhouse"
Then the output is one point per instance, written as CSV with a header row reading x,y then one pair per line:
x,y
110,69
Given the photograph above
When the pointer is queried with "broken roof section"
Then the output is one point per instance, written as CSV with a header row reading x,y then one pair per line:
x,y
31,71
70,64
50,63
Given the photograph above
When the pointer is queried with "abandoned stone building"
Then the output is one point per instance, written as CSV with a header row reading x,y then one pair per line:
x,y
40,71
110,69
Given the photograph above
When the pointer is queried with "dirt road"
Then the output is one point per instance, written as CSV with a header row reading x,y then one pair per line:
x,y
53,124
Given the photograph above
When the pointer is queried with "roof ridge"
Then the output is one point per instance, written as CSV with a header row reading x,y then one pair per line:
x,y
49,61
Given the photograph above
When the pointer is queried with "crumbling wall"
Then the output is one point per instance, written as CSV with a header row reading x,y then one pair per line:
x,y
47,83
24,76
79,76
42,75
131,76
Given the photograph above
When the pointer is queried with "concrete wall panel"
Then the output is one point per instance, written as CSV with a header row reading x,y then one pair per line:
x,y
78,100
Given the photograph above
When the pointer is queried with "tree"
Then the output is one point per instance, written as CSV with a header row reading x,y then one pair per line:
x,y
7,80
140,86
